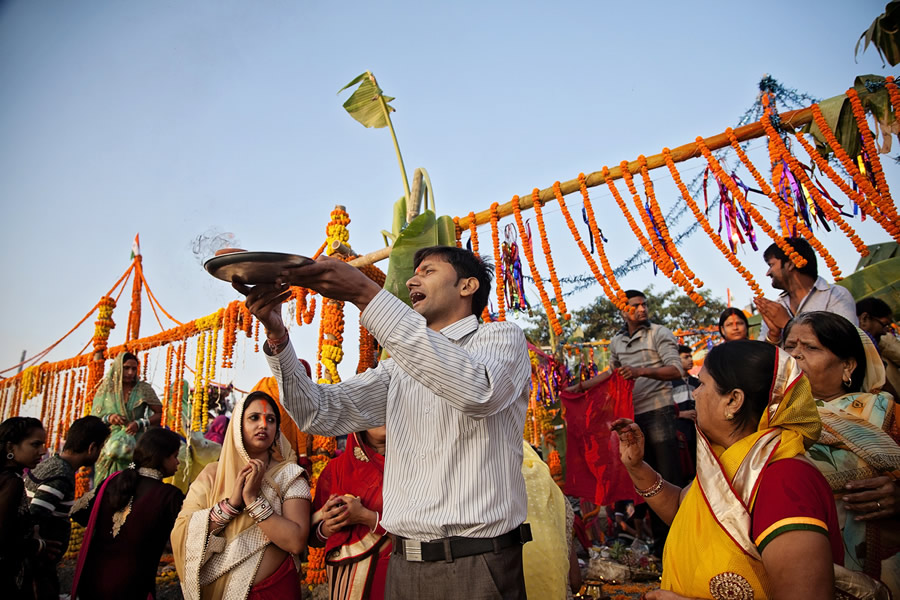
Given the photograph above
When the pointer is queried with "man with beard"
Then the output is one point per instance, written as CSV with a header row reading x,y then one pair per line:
x,y
804,291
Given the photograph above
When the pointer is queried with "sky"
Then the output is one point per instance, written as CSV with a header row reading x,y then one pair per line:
x,y
177,119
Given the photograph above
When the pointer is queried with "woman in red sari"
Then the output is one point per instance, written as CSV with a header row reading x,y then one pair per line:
x,y
346,519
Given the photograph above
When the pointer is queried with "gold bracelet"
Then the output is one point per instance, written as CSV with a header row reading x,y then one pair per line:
x,y
652,490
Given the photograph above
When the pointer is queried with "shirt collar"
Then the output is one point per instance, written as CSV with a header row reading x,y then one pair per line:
x,y
460,329
820,284
642,326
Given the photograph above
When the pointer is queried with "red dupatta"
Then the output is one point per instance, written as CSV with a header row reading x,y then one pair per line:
x,y
358,471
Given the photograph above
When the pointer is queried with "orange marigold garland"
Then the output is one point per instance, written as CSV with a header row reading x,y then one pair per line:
x,y
704,223
766,189
458,231
855,196
167,391
800,173
869,144
545,246
664,261
495,237
739,196
873,199
645,243
660,221
535,274
608,281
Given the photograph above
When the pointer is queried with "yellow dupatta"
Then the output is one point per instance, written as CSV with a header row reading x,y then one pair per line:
x,y
709,552
224,565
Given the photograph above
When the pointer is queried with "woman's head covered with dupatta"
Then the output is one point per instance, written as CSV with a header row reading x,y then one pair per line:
x,y
838,357
750,386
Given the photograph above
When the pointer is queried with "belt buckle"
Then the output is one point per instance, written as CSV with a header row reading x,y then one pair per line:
x,y
412,550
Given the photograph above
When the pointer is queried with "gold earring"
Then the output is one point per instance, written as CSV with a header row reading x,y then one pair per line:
x,y
729,416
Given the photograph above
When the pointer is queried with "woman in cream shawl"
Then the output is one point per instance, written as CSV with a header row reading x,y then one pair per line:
x,y
858,452
246,517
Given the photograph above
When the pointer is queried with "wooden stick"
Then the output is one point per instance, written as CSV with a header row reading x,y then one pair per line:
x,y
794,118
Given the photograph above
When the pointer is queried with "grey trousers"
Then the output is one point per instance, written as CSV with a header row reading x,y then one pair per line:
x,y
489,576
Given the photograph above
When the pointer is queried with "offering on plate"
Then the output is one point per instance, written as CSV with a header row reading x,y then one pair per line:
x,y
230,264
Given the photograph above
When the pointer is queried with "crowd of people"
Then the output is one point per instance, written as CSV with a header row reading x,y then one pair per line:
x,y
774,463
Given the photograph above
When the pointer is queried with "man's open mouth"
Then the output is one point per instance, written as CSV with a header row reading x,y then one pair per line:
x,y
415,297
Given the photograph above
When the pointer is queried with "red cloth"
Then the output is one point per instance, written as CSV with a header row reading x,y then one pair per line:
x,y
283,584
593,468
347,474
793,488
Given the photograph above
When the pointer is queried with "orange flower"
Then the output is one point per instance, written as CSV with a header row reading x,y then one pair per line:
x,y
535,274
704,223
545,246
768,191
495,237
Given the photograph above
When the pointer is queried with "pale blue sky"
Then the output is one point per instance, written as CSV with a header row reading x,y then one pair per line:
x,y
171,118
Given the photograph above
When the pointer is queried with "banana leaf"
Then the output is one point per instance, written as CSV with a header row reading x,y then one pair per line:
x,y
422,232
364,104
881,280
884,34
839,115
878,253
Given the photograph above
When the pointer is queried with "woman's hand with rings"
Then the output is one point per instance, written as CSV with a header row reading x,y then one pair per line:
x,y
875,498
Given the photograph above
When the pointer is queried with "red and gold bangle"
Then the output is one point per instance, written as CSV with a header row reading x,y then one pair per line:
x,y
652,490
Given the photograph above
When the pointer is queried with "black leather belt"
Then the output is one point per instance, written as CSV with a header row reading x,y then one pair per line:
x,y
447,549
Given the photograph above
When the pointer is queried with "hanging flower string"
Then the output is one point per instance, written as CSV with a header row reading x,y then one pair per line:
x,y
855,196
498,263
545,246
859,113
795,167
766,189
661,222
535,274
665,262
737,193
704,223
619,295
645,243
603,281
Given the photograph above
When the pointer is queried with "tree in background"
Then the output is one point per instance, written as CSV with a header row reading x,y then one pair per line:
x,y
600,320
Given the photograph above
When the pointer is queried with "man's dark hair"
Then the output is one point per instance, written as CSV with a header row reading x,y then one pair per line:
x,y
629,294
875,307
839,336
466,264
86,431
803,249
685,350
129,356
743,365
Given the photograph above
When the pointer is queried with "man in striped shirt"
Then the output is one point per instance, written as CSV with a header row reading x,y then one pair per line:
x,y
453,396
51,491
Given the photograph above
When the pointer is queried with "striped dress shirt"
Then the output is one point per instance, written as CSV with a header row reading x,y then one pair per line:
x,y
454,404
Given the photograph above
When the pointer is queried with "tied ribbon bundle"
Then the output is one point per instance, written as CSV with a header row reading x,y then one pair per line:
x,y
511,268
732,215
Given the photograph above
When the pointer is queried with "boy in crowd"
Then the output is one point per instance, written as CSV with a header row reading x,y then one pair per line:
x,y
51,492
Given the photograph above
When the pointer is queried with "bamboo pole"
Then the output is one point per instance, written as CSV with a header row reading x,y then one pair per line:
x,y
794,118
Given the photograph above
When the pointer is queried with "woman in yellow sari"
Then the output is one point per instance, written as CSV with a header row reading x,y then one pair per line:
x,y
245,520
758,519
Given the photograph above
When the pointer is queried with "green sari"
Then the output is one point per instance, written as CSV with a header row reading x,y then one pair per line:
x,y
854,445
109,400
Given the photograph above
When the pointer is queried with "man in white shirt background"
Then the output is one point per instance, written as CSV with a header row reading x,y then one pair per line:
x,y
804,291
453,396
